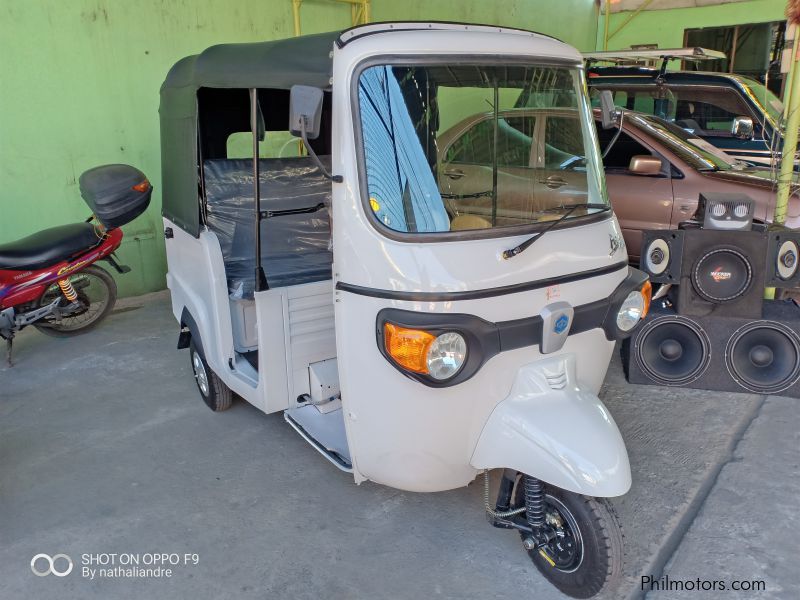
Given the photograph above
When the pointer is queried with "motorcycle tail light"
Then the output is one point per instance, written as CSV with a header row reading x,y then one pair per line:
x,y
144,186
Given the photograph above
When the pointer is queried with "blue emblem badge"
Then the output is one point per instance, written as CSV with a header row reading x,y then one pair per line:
x,y
561,324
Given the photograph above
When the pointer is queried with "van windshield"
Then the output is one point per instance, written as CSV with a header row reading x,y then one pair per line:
x,y
454,147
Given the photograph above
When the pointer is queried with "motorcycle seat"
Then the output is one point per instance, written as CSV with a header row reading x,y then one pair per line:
x,y
48,246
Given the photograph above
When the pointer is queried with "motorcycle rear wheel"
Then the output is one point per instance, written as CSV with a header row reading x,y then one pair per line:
x,y
97,292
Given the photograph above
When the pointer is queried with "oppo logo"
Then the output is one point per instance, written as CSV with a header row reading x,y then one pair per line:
x,y
719,275
50,561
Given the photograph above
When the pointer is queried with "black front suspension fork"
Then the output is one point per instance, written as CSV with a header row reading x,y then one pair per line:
x,y
534,501
530,518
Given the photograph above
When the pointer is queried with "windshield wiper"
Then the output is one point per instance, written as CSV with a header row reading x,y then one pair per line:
x,y
486,194
570,208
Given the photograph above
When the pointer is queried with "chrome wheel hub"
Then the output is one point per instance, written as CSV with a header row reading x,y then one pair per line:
x,y
200,374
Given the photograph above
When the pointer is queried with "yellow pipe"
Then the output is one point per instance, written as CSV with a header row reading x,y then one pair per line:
x,y
359,12
787,88
296,12
630,18
791,112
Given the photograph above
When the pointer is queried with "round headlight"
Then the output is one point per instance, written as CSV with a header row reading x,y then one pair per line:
x,y
446,355
631,311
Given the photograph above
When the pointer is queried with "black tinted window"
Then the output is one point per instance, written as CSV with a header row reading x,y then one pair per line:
x,y
622,151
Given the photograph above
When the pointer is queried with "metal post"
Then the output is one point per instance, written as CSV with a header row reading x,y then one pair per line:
x,y
733,48
787,84
792,119
605,24
296,13
260,277
791,115
630,18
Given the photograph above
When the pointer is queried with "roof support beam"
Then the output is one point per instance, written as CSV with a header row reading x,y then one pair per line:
x,y
630,18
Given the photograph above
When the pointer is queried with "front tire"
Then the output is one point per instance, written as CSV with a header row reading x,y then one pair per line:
x,y
215,393
587,553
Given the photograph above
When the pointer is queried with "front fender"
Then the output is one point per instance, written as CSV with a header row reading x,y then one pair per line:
x,y
550,429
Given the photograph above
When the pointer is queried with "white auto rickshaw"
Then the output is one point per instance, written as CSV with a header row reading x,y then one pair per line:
x,y
418,318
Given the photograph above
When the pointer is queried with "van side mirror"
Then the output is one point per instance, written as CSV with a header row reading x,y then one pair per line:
x,y
644,164
305,111
742,127
609,114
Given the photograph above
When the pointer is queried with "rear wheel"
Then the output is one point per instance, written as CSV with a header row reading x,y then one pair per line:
x,y
215,393
584,553
97,293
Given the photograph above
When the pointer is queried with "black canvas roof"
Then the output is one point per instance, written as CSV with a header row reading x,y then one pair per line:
x,y
302,60
279,64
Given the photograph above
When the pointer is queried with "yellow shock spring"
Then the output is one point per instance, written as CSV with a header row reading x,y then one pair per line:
x,y
66,288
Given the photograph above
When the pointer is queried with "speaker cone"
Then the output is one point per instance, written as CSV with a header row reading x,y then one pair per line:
x,y
657,256
673,350
722,275
764,357
787,260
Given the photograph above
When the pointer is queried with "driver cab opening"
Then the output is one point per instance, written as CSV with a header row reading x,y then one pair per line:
x,y
296,251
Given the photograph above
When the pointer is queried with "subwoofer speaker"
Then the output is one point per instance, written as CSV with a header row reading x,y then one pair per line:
x,y
662,255
783,256
722,273
718,353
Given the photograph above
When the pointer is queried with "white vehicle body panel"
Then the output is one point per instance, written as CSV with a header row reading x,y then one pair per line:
x,y
588,456
402,433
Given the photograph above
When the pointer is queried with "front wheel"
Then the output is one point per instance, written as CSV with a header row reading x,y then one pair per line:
x,y
97,293
584,553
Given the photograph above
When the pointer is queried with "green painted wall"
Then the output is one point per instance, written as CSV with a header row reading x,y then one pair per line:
x,y
665,27
79,87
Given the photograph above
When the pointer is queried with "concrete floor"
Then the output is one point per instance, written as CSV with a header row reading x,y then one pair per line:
x,y
106,447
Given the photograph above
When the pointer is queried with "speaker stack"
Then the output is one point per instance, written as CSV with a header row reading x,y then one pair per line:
x,y
714,330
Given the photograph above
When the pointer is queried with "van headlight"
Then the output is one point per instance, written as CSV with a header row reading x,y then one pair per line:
x,y
634,308
440,357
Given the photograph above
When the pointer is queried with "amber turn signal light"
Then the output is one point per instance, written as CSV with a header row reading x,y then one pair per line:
x,y
408,347
647,294
142,187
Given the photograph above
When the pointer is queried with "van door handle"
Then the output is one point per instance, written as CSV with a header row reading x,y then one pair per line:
x,y
686,207
553,182
454,173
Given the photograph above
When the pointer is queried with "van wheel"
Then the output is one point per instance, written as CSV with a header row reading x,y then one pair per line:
x,y
585,554
215,393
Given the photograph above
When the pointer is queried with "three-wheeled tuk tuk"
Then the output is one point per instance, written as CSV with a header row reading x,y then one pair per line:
x,y
418,318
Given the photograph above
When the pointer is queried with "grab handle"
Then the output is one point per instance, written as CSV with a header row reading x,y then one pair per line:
x,y
553,182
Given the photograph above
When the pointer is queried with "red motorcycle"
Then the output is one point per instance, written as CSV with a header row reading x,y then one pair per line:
x,y
51,280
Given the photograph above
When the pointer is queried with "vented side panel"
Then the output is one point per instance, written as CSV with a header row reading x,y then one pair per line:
x,y
311,331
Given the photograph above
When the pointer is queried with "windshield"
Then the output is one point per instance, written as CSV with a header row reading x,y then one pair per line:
x,y
456,147
697,153
762,96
